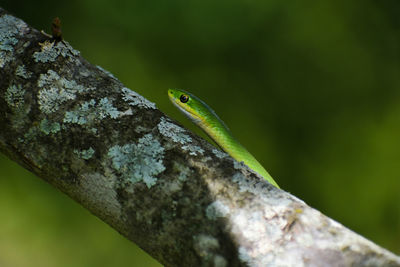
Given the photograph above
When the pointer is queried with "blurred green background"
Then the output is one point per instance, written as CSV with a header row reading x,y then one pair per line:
x,y
311,88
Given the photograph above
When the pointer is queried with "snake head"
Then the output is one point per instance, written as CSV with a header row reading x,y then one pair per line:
x,y
187,103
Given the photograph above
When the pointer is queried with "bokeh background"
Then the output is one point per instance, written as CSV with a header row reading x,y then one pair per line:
x,y
311,88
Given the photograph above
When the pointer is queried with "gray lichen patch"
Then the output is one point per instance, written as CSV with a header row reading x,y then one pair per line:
x,y
45,126
89,111
183,175
193,150
5,57
241,166
184,171
140,162
14,96
83,114
216,210
51,50
178,135
10,27
8,31
56,90
256,187
48,127
219,154
22,72
244,256
106,109
203,244
173,131
85,154
206,247
93,130
134,99
29,135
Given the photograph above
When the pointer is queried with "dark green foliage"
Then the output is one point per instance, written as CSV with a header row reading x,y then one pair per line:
x,y
311,89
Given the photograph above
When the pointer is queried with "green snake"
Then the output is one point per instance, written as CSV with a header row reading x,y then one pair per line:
x,y
204,117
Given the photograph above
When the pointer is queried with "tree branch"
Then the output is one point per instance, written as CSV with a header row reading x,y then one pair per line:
x,y
176,196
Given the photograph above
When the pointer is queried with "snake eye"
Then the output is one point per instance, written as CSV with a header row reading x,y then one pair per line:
x,y
184,98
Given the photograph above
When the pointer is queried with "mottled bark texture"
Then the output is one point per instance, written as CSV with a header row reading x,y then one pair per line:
x,y
176,196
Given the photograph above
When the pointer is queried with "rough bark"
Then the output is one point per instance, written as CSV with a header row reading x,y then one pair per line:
x,y
176,196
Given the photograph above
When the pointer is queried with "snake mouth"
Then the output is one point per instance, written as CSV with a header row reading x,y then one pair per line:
x,y
187,112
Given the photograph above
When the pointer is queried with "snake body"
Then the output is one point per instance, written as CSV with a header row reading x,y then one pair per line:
x,y
203,116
